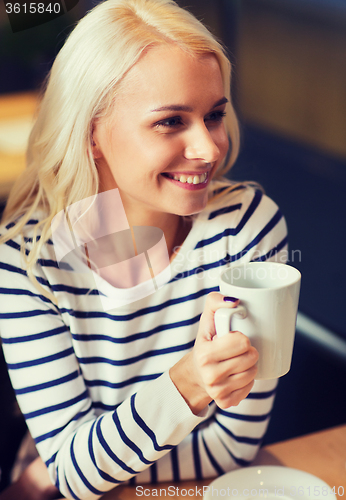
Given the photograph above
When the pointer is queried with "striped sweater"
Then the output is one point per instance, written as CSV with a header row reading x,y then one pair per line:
x,y
94,386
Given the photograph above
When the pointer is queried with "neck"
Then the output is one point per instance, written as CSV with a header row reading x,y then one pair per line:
x,y
174,227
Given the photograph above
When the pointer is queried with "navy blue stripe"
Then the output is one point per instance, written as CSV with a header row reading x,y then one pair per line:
x,y
273,251
224,210
31,222
57,483
153,473
237,187
74,290
213,460
231,258
141,335
80,473
128,441
140,422
120,385
53,263
103,406
51,460
239,461
245,418
134,315
235,230
267,228
239,439
26,314
41,361
71,491
16,246
49,435
109,452
59,406
175,464
51,383
102,473
12,269
82,414
129,361
271,224
55,288
261,395
19,291
35,336
196,455
13,244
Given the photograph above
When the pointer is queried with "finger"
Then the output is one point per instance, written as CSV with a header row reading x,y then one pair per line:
x,y
215,300
211,355
234,384
217,374
235,397
231,345
239,364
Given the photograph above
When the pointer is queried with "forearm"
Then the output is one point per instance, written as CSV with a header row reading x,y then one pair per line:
x,y
184,378
121,444
228,439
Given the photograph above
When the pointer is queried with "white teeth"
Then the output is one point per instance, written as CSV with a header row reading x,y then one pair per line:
x,y
196,179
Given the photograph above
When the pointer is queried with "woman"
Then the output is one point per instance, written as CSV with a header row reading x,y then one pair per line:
x,y
137,105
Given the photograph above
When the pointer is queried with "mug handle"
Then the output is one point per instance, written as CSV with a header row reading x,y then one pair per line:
x,y
222,319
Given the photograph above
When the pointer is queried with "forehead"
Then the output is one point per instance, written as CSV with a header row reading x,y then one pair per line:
x,y
167,74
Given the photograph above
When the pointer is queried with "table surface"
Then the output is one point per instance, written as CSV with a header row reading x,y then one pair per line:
x,y
16,115
322,454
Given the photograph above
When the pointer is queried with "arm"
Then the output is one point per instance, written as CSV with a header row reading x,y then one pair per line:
x,y
87,453
233,436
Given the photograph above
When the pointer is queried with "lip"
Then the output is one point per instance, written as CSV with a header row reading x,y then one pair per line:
x,y
186,185
188,173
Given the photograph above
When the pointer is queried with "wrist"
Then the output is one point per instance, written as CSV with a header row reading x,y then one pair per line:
x,y
185,380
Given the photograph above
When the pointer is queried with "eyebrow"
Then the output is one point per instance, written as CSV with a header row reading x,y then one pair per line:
x,y
188,109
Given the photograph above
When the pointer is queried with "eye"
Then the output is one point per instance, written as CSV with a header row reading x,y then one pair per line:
x,y
172,122
215,116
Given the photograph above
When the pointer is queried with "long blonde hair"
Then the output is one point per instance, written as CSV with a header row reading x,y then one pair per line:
x,y
81,87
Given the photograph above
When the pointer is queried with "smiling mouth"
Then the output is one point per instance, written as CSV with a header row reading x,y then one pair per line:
x,y
188,179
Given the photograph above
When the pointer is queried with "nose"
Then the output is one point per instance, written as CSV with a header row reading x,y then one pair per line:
x,y
200,145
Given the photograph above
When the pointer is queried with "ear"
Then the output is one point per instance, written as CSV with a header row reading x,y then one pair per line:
x,y
97,153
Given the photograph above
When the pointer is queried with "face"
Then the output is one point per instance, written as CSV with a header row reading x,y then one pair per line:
x,y
165,137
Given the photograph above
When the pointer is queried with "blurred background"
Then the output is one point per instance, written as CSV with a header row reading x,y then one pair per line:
x,y
289,89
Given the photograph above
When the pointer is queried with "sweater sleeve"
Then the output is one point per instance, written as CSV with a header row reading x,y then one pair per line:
x,y
231,438
152,435
86,453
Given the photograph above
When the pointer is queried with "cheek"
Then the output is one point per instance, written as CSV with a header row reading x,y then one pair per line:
x,y
222,143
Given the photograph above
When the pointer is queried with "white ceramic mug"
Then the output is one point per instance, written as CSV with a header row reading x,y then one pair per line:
x,y
267,312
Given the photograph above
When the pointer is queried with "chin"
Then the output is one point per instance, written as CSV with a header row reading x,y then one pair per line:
x,y
185,212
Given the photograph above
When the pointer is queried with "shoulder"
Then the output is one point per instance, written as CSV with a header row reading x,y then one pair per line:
x,y
241,204
250,223
16,243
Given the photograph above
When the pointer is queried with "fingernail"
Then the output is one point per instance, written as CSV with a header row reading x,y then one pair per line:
x,y
230,299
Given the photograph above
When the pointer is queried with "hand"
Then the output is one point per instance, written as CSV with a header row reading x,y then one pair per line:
x,y
218,368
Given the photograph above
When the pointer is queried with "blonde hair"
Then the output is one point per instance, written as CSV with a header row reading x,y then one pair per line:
x,y
81,87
